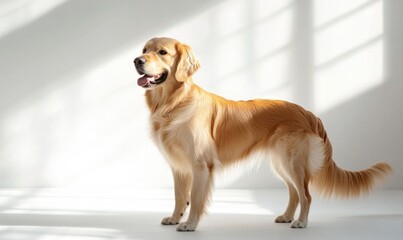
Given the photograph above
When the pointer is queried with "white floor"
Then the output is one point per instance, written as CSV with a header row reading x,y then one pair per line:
x,y
98,214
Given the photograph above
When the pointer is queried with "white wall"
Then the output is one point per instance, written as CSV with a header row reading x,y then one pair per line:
x,y
72,115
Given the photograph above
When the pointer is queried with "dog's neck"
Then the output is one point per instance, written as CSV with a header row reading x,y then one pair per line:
x,y
165,99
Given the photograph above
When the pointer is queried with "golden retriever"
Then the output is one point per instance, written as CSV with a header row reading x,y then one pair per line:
x,y
199,133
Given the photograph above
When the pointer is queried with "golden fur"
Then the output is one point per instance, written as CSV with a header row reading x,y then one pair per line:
x,y
199,133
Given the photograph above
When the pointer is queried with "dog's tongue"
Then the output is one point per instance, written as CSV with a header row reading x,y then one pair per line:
x,y
144,80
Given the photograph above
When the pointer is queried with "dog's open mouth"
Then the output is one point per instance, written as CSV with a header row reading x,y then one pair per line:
x,y
150,80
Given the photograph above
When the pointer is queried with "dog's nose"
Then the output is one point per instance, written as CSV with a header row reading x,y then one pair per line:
x,y
139,61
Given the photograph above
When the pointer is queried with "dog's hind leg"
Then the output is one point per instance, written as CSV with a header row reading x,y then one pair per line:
x,y
288,215
290,159
301,184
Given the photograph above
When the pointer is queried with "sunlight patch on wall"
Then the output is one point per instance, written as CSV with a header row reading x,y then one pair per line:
x,y
229,18
347,33
331,10
263,9
348,45
273,33
242,47
272,75
224,54
15,14
349,78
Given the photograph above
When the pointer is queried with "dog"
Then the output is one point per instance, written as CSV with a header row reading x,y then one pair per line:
x,y
200,133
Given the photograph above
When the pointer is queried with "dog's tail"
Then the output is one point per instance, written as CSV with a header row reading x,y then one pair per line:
x,y
331,180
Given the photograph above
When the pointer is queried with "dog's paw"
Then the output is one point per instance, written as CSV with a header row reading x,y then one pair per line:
x,y
186,227
298,224
283,219
170,221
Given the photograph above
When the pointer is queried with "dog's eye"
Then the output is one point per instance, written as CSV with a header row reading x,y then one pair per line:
x,y
144,50
162,52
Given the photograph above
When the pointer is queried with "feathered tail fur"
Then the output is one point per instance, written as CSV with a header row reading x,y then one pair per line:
x,y
331,180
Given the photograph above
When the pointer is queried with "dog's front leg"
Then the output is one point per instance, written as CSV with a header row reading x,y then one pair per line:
x,y
182,183
201,190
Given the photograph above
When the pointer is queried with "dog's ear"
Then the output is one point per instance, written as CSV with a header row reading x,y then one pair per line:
x,y
187,63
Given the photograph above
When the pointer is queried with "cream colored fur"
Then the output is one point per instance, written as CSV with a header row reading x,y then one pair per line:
x,y
200,133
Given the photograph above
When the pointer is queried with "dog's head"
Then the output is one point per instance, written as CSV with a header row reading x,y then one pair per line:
x,y
165,60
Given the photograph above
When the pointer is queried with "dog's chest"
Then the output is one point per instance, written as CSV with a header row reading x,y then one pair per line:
x,y
172,134
174,123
